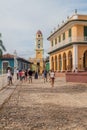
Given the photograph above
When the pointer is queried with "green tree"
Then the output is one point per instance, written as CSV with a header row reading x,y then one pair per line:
x,y
2,48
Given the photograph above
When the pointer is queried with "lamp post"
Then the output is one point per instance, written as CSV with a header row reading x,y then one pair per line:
x,y
15,64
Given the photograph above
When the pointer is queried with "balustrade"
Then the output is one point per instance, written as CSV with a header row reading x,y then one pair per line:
x,y
67,41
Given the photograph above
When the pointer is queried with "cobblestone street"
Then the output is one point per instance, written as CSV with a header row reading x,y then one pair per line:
x,y
38,106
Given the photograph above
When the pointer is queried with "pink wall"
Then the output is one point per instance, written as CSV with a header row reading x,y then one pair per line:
x,y
59,74
76,77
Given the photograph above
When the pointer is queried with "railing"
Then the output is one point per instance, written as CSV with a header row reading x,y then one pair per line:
x,y
67,41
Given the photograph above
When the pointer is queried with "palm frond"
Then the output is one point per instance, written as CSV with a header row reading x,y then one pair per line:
x,y
2,46
1,53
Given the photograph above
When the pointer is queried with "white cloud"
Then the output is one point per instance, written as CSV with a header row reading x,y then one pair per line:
x,y
20,20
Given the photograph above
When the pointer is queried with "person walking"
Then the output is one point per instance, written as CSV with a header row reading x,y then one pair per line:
x,y
23,75
9,77
45,75
20,75
30,75
17,74
36,75
26,74
52,77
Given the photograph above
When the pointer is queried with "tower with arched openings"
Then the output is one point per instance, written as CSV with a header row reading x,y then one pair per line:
x,y
38,61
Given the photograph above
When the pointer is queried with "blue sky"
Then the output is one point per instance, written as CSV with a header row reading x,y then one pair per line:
x,y
21,19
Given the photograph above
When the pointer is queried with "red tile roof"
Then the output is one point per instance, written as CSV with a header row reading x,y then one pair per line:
x,y
8,56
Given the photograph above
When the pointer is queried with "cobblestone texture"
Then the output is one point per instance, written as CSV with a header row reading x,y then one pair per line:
x,y
37,106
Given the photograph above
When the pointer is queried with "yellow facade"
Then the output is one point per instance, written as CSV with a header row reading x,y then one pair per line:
x,y
38,61
68,45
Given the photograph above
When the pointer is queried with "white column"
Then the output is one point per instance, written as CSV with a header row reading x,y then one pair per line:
x,y
15,64
75,57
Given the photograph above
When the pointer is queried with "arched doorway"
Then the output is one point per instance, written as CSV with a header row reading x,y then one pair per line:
x,y
70,61
64,62
60,62
38,67
52,61
85,60
55,62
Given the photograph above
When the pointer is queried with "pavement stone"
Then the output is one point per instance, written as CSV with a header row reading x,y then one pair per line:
x,y
38,106
6,92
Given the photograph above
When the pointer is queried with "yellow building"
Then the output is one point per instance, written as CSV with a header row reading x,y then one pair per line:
x,y
38,61
68,45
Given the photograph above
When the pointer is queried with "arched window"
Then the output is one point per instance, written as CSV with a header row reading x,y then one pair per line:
x,y
38,45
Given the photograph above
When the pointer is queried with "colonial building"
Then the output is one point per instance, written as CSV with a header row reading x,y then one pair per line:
x,y
8,60
68,44
38,61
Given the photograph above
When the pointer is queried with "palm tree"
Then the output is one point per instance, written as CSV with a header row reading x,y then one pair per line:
x,y
2,48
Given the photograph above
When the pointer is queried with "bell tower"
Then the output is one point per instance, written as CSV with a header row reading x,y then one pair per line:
x,y
39,45
39,51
